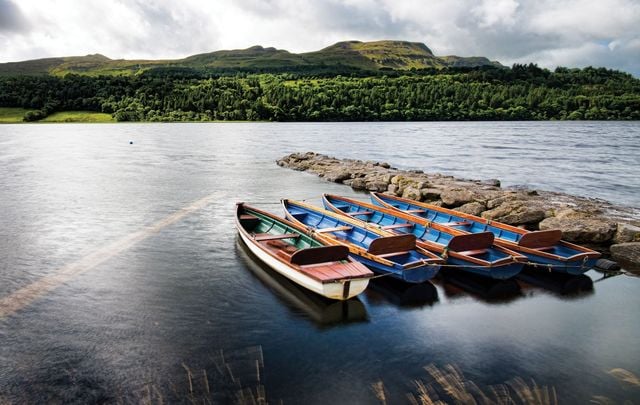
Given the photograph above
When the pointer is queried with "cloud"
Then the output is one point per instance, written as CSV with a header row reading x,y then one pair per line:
x,y
11,18
547,32
496,12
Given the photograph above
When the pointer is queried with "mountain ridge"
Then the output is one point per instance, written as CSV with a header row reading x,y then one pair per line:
x,y
357,55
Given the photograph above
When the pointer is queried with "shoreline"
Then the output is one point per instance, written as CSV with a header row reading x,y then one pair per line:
x,y
43,122
15,115
596,223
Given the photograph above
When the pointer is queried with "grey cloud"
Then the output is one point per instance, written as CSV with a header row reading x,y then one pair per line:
x,y
11,18
547,32
358,20
517,39
167,31
263,8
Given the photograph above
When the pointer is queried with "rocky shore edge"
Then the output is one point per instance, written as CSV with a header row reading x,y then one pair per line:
x,y
591,222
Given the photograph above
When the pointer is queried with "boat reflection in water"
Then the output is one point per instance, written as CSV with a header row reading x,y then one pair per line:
x,y
400,293
323,312
564,285
456,283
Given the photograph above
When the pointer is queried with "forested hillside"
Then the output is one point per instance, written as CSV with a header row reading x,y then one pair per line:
x,y
524,92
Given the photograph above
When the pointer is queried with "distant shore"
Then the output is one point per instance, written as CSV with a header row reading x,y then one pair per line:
x,y
10,115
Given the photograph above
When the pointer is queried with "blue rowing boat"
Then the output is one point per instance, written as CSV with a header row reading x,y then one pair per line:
x,y
542,248
475,253
384,252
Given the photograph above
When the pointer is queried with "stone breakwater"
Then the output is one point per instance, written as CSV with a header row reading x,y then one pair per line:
x,y
592,222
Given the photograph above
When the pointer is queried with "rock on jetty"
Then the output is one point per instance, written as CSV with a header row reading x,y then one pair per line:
x,y
588,221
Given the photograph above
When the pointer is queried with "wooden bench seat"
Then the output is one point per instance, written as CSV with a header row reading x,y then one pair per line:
x,y
327,272
269,236
540,239
544,248
397,226
335,229
359,213
473,243
473,252
392,244
248,221
285,250
394,254
454,223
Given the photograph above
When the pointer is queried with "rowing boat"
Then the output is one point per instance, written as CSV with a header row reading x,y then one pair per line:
x,y
321,311
386,253
308,261
474,253
542,248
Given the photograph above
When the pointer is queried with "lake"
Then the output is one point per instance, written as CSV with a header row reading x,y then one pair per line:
x,y
123,279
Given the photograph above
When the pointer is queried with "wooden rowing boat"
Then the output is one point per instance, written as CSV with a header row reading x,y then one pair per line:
x,y
395,255
308,261
321,311
474,253
542,248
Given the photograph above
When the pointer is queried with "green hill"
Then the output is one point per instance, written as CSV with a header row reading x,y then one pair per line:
x,y
379,54
356,55
49,65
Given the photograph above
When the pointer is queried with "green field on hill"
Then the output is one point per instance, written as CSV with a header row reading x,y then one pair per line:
x,y
11,115
78,116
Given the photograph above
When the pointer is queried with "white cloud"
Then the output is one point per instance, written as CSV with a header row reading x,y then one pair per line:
x,y
496,12
547,32
592,54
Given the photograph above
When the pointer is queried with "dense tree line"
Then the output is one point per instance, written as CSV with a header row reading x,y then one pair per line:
x,y
524,92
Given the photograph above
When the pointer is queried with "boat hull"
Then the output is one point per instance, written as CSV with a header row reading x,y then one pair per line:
x,y
573,268
333,290
415,275
502,272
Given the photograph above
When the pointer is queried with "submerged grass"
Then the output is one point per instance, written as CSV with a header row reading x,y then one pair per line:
x,y
448,385
234,377
237,377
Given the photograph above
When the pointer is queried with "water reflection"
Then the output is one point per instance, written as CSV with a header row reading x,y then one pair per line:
x,y
456,283
402,294
321,311
183,294
564,285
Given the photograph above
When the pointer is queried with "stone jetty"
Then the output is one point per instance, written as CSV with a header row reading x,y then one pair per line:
x,y
592,222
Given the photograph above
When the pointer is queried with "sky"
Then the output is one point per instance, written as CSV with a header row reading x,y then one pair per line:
x,y
572,33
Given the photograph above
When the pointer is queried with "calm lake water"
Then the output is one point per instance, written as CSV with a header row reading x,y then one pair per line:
x,y
119,288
